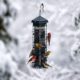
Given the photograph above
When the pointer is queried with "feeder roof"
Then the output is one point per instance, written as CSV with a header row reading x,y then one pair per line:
x,y
39,21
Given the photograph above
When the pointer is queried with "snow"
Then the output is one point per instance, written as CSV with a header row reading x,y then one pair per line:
x,y
65,40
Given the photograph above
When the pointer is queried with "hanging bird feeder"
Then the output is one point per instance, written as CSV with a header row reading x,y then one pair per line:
x,y
39,52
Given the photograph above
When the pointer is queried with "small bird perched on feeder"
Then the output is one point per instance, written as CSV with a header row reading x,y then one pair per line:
x,y
38,45
32,59
47,53
49,38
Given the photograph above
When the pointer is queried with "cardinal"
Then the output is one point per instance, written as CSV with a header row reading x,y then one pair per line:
x,y
49,38
32,59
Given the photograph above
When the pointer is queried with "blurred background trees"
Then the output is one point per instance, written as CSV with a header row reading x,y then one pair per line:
x,y
6,14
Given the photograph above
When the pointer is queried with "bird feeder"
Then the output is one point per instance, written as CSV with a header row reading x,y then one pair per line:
x,y
39,42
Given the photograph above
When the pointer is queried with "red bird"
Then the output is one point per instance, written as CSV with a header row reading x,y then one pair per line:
x,y
49,38
33,59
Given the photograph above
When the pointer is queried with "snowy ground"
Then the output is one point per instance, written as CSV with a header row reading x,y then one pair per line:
x,y
65,39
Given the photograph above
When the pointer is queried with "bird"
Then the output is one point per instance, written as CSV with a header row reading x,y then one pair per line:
x,y
45,65
38,45
47,53
49,38
32,59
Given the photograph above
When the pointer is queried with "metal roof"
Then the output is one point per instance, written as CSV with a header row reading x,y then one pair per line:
x,y
40,19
